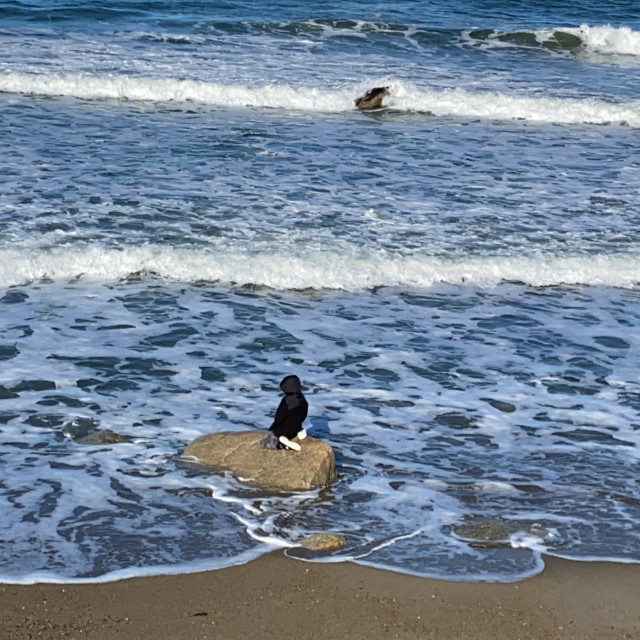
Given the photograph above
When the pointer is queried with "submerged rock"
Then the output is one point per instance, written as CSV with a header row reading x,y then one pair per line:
x,y
323,542
314,466
496,533
103,436
501,405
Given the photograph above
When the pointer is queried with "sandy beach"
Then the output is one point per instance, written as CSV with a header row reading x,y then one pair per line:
x,y
278,597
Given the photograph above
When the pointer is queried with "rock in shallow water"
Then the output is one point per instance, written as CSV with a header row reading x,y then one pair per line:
x,y
496,533
314,466
500,405
103,436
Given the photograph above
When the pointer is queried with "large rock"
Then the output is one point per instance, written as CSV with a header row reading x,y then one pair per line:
x,y
312,467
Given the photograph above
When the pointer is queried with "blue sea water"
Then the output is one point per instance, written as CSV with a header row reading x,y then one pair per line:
x,y
191,208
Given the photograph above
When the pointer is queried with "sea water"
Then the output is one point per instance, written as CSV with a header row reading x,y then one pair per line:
x,y
191,209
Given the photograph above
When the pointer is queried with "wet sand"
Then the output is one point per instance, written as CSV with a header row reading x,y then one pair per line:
x,y
285,599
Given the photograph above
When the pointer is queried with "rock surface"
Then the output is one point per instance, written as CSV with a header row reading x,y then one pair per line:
x,y
312,467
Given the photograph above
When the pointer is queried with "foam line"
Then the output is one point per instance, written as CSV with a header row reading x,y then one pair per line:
x,y
404,97
151,89
315,270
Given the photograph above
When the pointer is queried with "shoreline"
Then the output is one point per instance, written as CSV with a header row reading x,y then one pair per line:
x,y
279,597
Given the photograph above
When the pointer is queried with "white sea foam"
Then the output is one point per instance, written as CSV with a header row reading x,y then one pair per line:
x,y
52,577
607,39
315,270
150,89
604,40
500,106
404,96
398,383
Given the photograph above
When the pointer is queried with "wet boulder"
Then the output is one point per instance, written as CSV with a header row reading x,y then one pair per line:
x,y
312,467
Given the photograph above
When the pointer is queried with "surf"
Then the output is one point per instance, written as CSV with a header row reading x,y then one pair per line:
x,y
404,97
585,38
314,269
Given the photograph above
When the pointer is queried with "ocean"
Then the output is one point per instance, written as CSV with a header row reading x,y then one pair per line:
x,y
191,208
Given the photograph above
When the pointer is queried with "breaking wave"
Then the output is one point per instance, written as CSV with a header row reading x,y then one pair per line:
x,y
499,106
404,97
605,40
317,270
151,89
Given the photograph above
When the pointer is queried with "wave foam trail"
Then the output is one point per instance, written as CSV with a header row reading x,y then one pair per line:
x,y
320,270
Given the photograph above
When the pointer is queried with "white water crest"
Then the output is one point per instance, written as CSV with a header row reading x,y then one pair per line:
x,y
603,40
607,39
314,270
500,106
404,97
151,89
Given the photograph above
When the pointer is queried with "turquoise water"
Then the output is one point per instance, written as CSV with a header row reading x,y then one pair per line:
x,y
191,208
